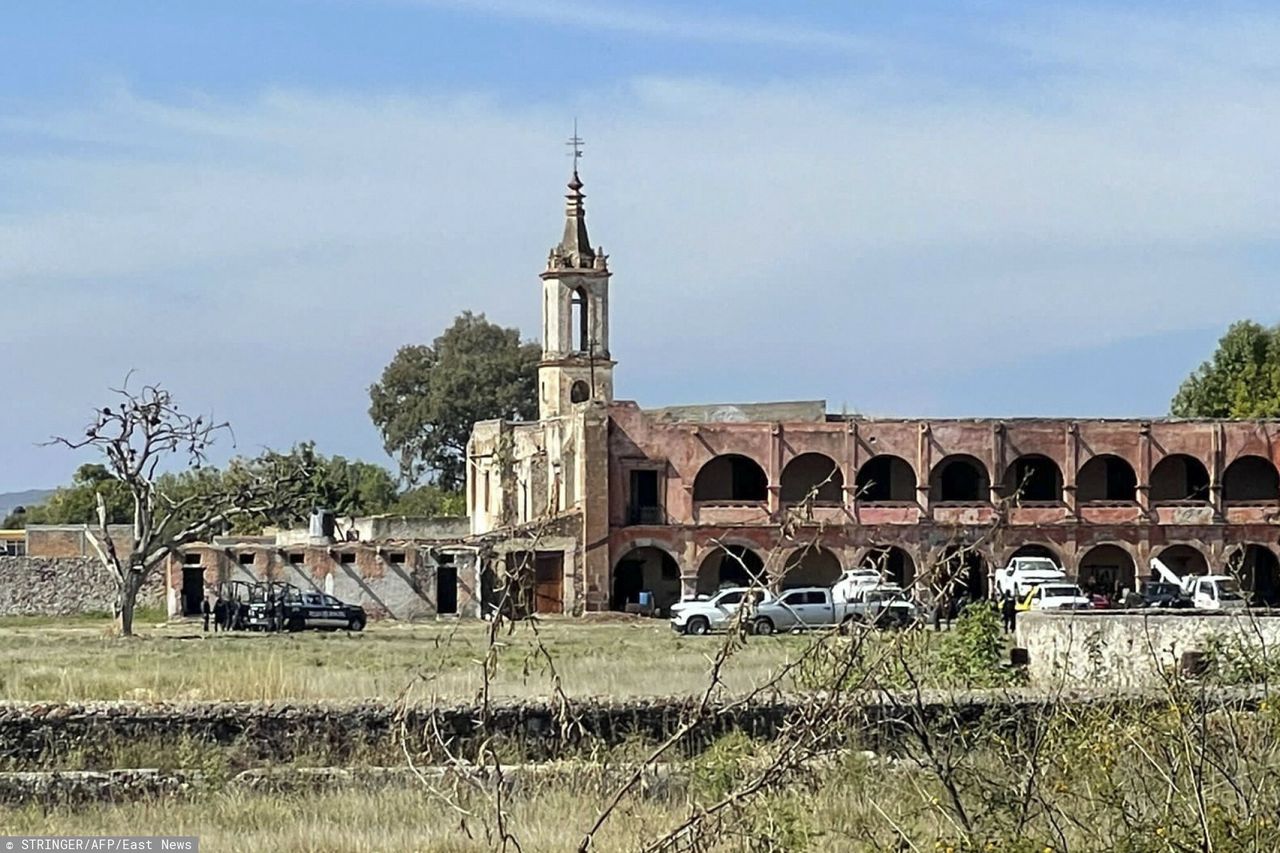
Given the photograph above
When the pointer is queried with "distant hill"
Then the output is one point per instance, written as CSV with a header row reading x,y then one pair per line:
x,y
11,500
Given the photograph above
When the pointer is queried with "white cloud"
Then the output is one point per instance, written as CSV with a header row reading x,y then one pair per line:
x,y
671,22
771,241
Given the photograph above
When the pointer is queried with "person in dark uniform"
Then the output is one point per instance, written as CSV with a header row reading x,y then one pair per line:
x,y
205,611
1009,612
219,614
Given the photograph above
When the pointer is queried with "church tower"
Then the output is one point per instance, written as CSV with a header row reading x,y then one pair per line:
x,y
576,366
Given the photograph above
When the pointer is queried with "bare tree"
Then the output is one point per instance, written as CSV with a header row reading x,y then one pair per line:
x,y
147,436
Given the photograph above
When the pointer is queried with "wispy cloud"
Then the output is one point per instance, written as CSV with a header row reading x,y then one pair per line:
x,y
666,22
805,237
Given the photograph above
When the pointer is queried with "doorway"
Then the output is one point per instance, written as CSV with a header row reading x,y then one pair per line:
x,y
192,590
446,587
548,582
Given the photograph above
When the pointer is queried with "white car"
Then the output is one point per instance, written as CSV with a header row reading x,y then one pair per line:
x,y
704,615
1023,573
1057,596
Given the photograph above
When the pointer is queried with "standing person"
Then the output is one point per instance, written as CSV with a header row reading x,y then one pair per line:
x,y
1009,611
219,614
204,610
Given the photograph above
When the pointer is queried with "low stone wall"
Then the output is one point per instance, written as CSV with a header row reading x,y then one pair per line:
x,y
63,586
36,735
1133,648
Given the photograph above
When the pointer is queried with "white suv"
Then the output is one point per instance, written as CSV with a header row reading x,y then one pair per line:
x,y
704,615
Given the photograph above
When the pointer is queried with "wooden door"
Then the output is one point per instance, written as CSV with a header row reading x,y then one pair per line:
x,y
548,582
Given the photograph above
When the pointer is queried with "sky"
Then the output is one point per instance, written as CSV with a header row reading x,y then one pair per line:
x,y
933,209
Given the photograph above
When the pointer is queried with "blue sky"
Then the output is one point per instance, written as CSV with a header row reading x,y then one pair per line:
x,y
929,208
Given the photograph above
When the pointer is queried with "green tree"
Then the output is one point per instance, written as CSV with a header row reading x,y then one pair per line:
x,y
1241,380
429,396
430,501
78,502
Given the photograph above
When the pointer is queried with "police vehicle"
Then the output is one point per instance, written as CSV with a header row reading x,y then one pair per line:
x,y
303,610
276,606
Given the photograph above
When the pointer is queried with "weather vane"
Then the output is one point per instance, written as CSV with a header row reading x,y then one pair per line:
x,y
575,142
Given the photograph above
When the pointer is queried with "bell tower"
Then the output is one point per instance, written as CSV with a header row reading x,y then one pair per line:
x,y
576,366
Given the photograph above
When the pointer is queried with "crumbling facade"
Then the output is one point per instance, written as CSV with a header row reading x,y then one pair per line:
x,y
683,500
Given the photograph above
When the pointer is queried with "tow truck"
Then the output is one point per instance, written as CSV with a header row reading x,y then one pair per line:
x,y
1207,592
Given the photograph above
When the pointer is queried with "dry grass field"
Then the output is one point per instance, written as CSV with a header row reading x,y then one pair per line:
x,y
77,660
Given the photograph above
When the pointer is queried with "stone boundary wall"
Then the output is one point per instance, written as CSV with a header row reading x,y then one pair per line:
x,y
122,785
37,733
63,586
1135,649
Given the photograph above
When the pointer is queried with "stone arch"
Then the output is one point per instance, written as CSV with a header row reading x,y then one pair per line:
x,y
960,478
1179,477
1108,569
891,562
1184,559
813,475
964,571
886,479
1106,478
580,319
1033,478
579,392
1250,479
810,565
1258,571
730,565
731,478
1036,549
645,568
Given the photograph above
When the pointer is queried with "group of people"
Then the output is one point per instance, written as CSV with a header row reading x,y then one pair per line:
x,y
227,615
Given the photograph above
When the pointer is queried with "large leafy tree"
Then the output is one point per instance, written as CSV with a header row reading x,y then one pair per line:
x,y
1241,380
429,396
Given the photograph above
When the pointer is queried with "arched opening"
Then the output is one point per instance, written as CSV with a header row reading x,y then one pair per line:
x,y
812,476
1258,570
1179,477
733,565
579,333
1106,478
959,479
892,563
731,478
1250,479
885,479
962,573
579,392
1035,550
1033,479
810,566
1107,570
1183,560
645,570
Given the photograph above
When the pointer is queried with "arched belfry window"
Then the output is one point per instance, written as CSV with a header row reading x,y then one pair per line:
x,y
580,324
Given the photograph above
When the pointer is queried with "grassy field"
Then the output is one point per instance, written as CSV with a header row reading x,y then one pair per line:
x,y
76,659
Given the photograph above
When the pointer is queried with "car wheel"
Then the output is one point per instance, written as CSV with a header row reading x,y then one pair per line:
x,y
764,626
699,626
357,623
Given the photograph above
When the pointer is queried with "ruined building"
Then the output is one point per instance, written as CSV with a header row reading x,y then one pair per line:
x,y
599,499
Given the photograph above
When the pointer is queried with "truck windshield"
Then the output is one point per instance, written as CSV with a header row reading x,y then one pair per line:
x,y
1229,591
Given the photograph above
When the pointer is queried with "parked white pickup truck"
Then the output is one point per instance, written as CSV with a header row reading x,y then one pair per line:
x,y
704,615
815,607
1023,573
